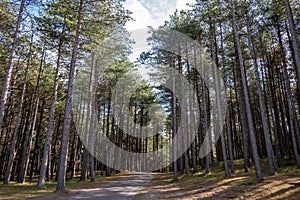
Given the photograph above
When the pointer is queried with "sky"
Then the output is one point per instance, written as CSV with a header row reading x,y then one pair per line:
x,y
149,13
152,12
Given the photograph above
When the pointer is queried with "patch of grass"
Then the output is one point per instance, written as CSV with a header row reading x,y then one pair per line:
x,y
290,170
16,190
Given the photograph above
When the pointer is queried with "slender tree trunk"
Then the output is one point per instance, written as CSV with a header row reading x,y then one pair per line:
x,y
16,130
296,122
174,125
62,162
88,130
247,99
290,101
94,116
242,116
107,130
6,83
50,127
90,126
262,105
36,152
192,124
32,120
207,135
219,105
228,118
294,39
184,128
73,155
231,157
48,172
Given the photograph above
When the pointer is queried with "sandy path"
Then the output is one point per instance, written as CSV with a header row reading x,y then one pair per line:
x,y
123,189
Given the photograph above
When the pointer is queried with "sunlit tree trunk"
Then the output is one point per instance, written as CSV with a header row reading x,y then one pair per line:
x,y
6,83
18,120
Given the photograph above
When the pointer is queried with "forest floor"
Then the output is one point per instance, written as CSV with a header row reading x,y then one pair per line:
x,y
29,189
285,184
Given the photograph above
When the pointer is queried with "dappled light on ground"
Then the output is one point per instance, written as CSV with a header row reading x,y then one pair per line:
x,y
284,185
239,187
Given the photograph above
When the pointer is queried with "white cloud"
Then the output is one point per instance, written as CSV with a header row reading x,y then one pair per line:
x,y
152,12
142,16
149,13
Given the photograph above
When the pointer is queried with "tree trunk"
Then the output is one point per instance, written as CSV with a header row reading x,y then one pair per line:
x,y
206,125
247,99
294,39
192,124
107,131
18,120
50,127
262,105
6,83
174,125
229,138
62,162
32,120
36,152
290,100
242,118
219,106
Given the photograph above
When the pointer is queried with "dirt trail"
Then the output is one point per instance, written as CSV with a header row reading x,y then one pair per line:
x,y
124,189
